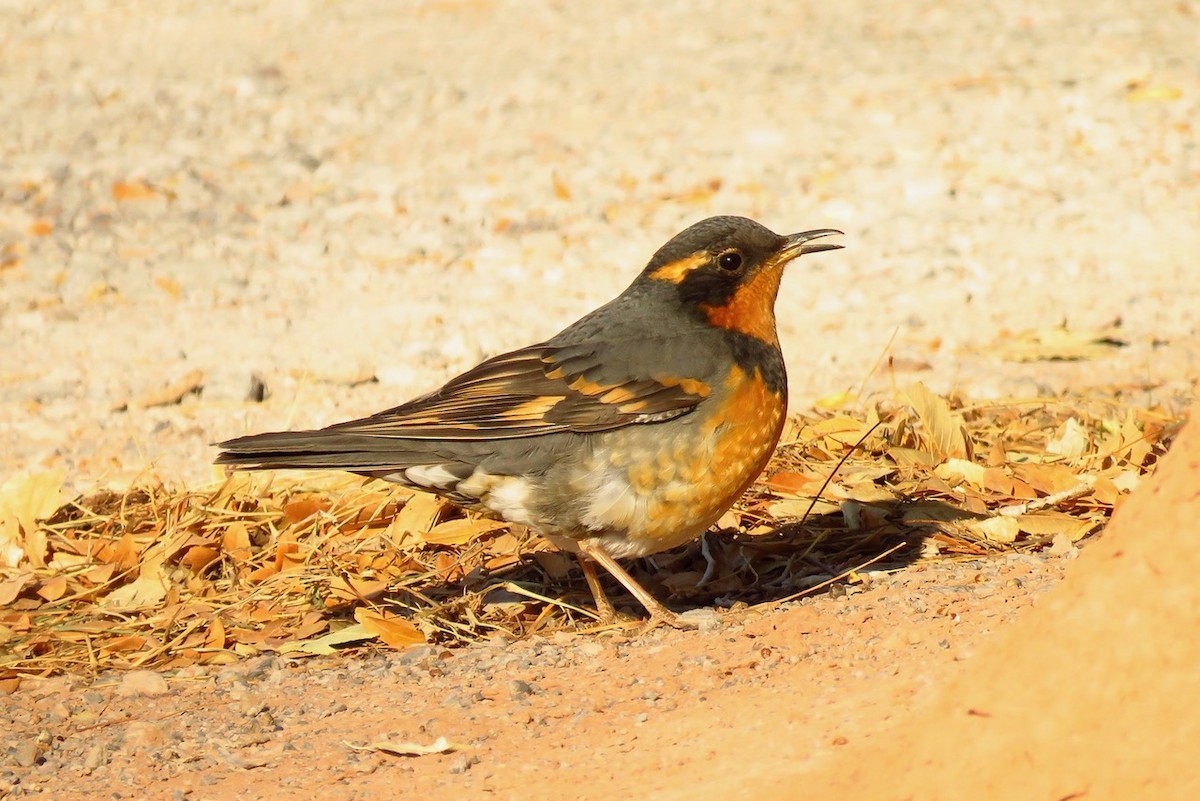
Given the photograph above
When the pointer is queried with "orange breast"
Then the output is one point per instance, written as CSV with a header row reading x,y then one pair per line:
x,y
651,488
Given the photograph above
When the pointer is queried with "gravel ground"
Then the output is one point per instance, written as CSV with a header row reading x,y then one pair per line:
x,y
354,200
522,713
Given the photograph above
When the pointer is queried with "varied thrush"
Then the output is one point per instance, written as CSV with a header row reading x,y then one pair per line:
x,y
630,432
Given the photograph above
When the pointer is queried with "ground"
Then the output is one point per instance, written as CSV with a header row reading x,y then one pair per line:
x,y
339,205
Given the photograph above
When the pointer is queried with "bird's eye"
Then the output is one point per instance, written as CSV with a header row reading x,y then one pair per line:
x,y
730,261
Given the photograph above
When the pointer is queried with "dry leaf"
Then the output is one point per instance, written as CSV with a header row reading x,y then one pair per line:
x,y
24,499
132,190
169,285
10,589
944,428
1153,94
997,529
418,515
327,644
53,588
299,509
461,531
1058,345
789,483
172,393
395,631
146,590
1071,440
561,190
962,470
401,748
216,634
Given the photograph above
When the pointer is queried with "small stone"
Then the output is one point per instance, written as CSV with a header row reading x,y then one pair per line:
x,y
591,649
27,754
462,763
520,689
94,758
142,736
143,682
703,618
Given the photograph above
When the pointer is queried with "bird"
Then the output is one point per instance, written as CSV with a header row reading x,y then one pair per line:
x,y
630,432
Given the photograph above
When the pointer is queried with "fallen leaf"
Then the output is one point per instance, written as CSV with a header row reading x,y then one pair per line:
x,y
302,507
1071,440
322,646
10,589
1058,345
997,529
1153,93
24,499
172,393
788,483
461,531
943,427
962,469
403,748
395,631
132,190
53,588
418,515
169,285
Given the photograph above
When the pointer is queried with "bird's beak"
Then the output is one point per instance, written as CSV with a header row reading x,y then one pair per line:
x,y
799,244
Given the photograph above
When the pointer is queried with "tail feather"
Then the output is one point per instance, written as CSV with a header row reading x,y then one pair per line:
x,y
318,450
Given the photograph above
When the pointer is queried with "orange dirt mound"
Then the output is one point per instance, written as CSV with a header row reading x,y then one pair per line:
x,y
1094,693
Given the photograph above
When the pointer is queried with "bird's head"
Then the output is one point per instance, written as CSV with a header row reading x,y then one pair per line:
x,y
728,269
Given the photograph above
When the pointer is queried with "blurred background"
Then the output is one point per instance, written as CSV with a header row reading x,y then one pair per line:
x,y
337,205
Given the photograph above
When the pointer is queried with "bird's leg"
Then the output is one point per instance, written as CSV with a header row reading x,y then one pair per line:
x,y
659,614
604,607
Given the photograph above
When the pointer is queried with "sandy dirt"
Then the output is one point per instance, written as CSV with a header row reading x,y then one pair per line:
x,y
346,203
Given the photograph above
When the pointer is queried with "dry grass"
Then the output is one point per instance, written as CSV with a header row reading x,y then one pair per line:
x,y
161,577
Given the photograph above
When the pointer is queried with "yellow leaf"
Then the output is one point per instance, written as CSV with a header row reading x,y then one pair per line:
x,y
216,634
943,427
461,531
326,644
398,748
1153,94
132,190
997,529
236,541
836,401
395,631
968,471
53,588
148,589
1070,440
9,590
24,499
419,514
1058,345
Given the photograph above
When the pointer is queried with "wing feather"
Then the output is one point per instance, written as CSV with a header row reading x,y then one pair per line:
x,y
542,389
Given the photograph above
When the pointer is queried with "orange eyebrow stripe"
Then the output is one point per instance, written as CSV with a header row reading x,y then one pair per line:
x,y
677,270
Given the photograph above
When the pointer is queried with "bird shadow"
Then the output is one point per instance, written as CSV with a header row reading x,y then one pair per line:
x,y
730,569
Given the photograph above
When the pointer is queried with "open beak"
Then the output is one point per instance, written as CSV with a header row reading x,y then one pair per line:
x,y
799,244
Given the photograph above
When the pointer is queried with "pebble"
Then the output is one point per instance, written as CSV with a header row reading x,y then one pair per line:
x,y
705,618
144,683
27,754
142,736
